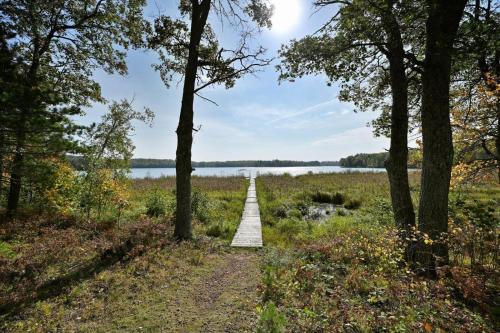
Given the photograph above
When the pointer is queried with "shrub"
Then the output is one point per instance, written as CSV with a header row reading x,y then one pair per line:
x,y
200,206
291,227
271,321
338,198
272,291
268,280
341,212
473,227
156,204
295,213
353,204
58,186
105,225
381,210
326,197
214,230
303,207
103,188
220,230
321,197
6,250
280,212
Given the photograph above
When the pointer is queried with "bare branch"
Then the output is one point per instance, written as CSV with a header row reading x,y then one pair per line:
x,y
206,99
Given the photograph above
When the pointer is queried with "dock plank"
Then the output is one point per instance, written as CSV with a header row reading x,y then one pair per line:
x,y
249,233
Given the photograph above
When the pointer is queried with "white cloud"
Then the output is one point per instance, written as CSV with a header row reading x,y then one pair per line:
x,y
316,107
289,118
359,139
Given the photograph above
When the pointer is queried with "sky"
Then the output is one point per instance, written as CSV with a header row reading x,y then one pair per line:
x,y
258,119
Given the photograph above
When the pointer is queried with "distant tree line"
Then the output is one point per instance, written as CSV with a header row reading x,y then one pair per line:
x,y
78,163
377,160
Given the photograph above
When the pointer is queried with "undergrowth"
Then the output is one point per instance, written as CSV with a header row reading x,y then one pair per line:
x,y
48,261
346,273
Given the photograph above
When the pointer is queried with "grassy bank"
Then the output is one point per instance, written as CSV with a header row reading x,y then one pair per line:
x,y
334,264
217,202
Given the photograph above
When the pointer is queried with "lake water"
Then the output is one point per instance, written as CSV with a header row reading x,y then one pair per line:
x,y
226,172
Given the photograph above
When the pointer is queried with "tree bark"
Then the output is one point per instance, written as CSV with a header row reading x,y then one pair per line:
x,y
441,29
29,104
2,147
497,138
397,163
18,160
183,167
496,66
17,167
15,182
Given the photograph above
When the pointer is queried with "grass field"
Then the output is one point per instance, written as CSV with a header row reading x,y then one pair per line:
x,y
331,263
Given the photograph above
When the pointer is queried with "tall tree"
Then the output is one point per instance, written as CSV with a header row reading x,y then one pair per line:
x,y
189,47
397,163
8,96
57,45
476,90
372,47
108,148
443,19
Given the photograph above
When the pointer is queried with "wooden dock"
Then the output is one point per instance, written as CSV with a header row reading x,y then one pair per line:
x,y
249,232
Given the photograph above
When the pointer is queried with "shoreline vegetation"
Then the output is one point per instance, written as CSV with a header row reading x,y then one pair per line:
x,y
78,163
378,160
362,160
140,163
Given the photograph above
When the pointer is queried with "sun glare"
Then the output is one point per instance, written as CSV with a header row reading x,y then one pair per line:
x,y
286,15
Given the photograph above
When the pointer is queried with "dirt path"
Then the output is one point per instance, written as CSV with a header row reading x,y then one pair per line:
x,y
183,289
225,299
220,294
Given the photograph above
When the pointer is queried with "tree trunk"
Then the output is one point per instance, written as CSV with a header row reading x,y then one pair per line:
x,y
497,139
397,163
493,87
441,29
2,147
17,164
497,83
183,167
17,168
15,182
30,98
